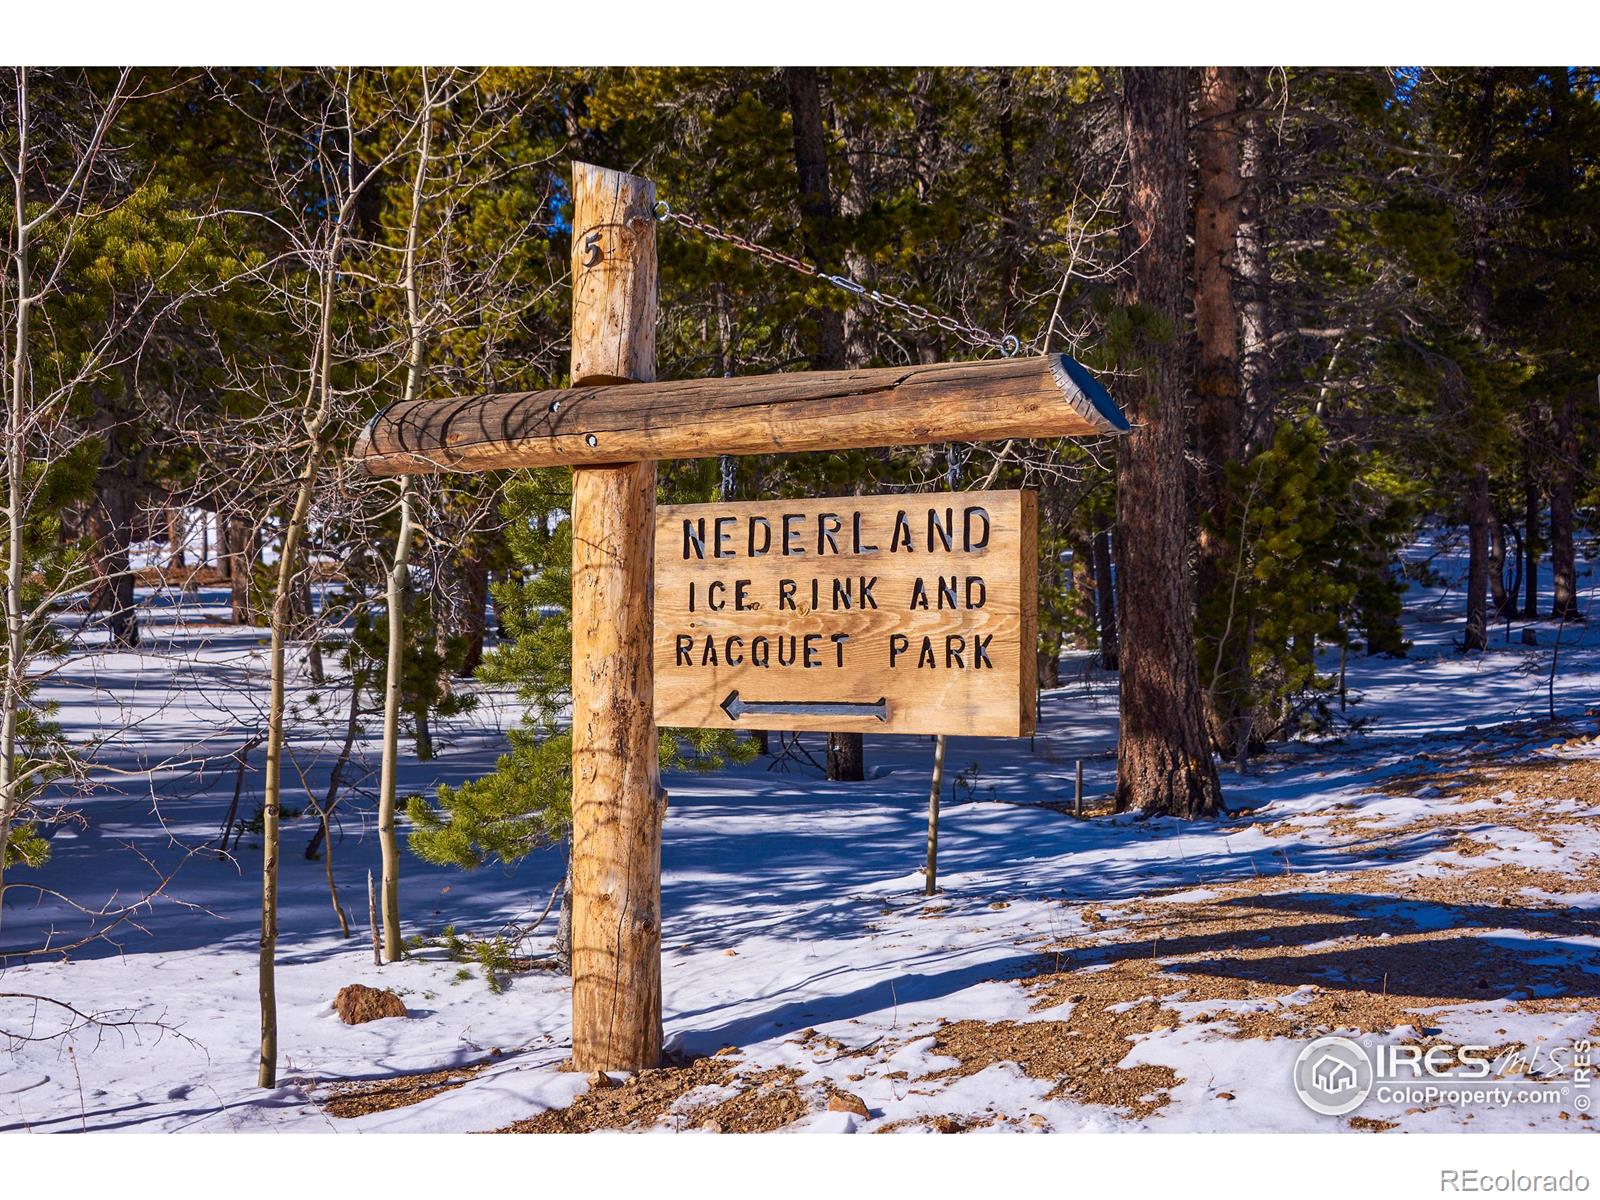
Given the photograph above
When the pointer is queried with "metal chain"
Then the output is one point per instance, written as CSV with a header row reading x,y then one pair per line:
x,y
1006,344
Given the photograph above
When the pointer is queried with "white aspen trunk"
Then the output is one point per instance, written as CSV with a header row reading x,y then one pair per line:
x,y
16,463
271,786
388,842
316,413
399,572
282,616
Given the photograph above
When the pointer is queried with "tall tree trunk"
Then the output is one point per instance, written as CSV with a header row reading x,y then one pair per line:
x,y
846,754
394,671
473,613
1563,559
109,520
816,200
1084,595
1218,425
312,629
314,415
461,623
1010,233
177,535
1530,519
1106,601
1479,516
15,663
271,789
1504,602
1164,762
1563,470
1051,639
1479,510
460,585
396,585
563,945
243,549
1254,266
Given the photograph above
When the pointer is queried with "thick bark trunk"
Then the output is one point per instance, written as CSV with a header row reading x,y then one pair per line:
x,y
846,754
1254,267
1050,643
816,199
472,614
224,555
1085,617
1085,589
1504,601
243,548
1478,520
109,523
1531,547
1010,234
1563,559
1217,425
1564,468
177,534
846,758
1164,762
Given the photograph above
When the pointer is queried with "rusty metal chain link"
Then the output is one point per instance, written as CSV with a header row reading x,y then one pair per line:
x,y
1006,344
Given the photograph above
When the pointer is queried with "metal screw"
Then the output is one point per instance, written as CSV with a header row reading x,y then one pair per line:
x,y
592,440
555,406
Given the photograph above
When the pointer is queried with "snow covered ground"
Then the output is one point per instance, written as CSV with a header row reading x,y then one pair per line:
x,y
1432,878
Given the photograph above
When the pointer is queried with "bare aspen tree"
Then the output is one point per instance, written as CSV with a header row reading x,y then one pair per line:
x,y
35,435
394,668
320,250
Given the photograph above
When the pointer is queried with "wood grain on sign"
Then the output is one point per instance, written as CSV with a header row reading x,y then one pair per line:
x,y
897,614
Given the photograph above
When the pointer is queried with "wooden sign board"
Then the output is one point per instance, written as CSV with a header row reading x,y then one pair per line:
x,y
897,614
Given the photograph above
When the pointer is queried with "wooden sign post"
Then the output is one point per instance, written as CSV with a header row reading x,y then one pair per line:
x,y
899,614
617,801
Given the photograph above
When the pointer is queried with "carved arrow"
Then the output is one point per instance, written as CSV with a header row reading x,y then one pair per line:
x,y
735,708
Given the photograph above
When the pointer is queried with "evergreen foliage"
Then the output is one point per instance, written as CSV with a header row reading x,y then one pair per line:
x,y
526,802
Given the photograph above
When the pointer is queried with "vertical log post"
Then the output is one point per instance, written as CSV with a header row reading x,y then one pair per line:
x,y
931,882
617,801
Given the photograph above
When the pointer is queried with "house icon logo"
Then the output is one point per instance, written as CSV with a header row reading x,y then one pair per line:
x,y
1332,1076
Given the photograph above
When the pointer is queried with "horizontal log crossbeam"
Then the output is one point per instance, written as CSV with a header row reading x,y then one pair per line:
x,y
1045,397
